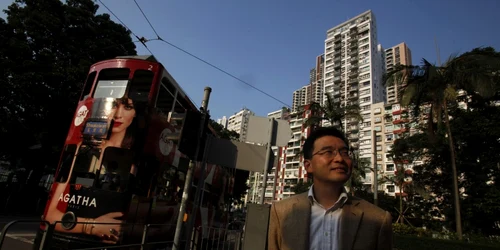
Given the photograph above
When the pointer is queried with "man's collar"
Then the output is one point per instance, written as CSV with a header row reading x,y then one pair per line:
x,y
342,198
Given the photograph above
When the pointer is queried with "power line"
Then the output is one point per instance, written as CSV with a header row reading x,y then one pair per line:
x,y
121,44
225,72
206,62
143,14
141,39
189,53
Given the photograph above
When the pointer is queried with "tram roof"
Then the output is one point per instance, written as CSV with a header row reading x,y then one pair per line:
x,y
149,58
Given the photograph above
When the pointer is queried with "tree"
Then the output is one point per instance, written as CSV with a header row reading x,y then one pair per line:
x,y
47,47
223,132
333,112
302,186
360,165
336,113
403,152
477,147
475,72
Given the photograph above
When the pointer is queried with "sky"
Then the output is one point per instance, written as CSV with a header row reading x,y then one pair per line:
x,y
272,45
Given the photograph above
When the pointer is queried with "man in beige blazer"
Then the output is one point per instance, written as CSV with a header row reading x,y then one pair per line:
x,y
327,217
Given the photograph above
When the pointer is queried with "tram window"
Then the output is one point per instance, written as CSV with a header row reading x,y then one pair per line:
x,y
179,107
112,83
85,166
114,173
170,87
88,85
165,100
66,161
140,85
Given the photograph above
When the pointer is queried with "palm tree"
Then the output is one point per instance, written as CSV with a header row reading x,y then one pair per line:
x,y
333,112
475,72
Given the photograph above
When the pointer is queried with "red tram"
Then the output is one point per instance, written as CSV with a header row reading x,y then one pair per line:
x,y
118,166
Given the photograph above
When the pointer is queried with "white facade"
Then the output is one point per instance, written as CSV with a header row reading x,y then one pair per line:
x,y
239,122
279,114
299,98
223,121
394,56
354,67
307,94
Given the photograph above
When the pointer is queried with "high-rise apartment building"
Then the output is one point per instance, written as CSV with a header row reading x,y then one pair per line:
x,y
299,97
354,68
397,55
289,165
255,179
312,92
239,122
222,121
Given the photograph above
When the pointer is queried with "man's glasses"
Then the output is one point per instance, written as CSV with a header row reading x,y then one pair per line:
x,y
330,153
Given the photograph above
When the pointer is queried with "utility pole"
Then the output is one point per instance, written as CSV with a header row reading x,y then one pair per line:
x,y
375,168
275,178
189,174
200,191
268,158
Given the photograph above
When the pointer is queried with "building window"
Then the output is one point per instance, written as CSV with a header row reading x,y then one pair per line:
x,y
389,167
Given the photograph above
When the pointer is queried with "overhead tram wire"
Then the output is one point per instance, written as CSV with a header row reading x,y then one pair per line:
x,y
150,25
141,39
206,62
121,44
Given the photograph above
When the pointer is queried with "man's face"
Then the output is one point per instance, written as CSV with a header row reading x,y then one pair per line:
x,y
330,161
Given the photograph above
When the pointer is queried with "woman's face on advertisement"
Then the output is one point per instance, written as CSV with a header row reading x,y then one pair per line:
x,y
124,114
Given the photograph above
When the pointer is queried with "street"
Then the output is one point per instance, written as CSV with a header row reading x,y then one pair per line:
x,y
19,236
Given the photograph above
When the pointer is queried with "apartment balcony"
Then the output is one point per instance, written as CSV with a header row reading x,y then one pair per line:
x,y
398,111
353,137
353,96
353,74
400,131
295,125
352,89
399,121
353,80
363,29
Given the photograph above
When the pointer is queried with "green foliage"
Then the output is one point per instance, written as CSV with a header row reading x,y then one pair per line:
x,y
46,49
332,112
359,168
450,148
223,132
302,187
407,242
403,229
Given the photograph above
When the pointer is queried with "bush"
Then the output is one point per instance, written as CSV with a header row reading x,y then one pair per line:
x,y
403,229
407,242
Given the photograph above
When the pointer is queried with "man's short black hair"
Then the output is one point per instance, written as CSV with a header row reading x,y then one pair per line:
x,y
308,146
